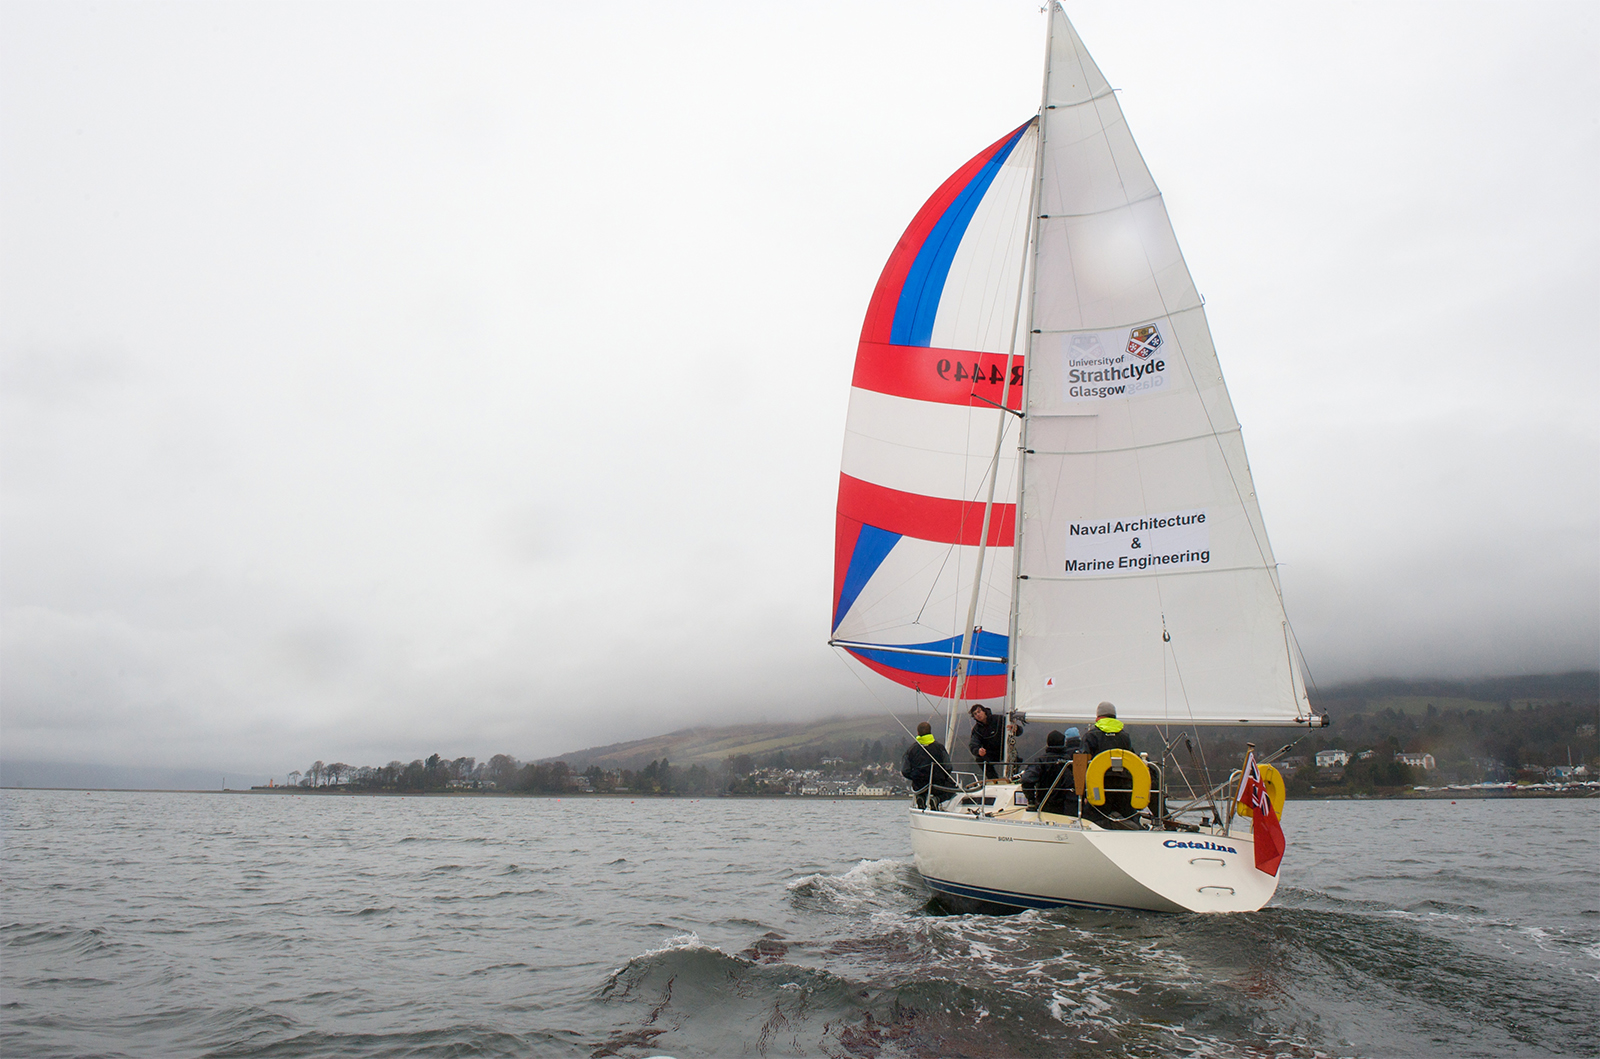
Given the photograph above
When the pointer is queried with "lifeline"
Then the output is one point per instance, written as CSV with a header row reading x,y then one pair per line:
x,y
1173,843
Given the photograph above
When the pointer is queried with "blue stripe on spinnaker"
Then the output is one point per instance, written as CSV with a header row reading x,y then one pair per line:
x,y
989,644
924,284
872,547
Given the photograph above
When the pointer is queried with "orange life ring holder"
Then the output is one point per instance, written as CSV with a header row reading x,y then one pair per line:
x,y
1272,780
1094,780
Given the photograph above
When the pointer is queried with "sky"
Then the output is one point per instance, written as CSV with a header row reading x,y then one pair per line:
x,y
378,380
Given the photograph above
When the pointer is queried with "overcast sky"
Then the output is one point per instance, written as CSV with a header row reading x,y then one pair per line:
x,y
388,378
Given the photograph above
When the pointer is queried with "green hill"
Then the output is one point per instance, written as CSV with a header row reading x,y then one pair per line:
x,y
1359,711
838,736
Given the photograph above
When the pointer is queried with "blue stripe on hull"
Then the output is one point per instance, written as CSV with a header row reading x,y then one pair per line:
x,y
1007,897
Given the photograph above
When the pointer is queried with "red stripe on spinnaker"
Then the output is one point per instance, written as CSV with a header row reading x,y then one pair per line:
x,y
928,518
915,372
886,295
991,686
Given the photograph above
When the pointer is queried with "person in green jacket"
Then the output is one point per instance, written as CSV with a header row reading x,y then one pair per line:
x,y
1108,733
927,768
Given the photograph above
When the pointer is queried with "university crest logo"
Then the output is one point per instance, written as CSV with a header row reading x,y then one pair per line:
x,y
1085,346
1143,341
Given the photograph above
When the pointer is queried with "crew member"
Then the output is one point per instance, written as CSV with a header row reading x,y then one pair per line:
x,y
1047,781
1108,733
927,767
988,743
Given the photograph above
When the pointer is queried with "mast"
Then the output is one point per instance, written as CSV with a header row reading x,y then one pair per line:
x,y
968,630
1031,269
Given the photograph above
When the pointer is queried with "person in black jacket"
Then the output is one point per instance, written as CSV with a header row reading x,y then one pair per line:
x,y
927,767
988,743
1052,769
1108,733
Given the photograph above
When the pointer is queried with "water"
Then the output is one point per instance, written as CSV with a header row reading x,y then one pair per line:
x,y
148,924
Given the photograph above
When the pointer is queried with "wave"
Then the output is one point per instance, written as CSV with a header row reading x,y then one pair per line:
x,y
957,990
78,941
872,885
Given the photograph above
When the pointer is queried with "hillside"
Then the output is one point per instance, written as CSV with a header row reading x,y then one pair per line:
x,y
1414,696
707,746
1353,707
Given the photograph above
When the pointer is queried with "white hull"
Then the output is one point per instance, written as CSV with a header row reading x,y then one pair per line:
x,y
1022,860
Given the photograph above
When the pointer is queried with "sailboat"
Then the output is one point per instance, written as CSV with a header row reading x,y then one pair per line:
x,y
1044,499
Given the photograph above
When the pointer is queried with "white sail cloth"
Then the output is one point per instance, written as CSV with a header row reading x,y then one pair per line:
x,y
1147,577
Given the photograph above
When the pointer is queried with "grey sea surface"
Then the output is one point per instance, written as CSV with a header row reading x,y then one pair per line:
x,y
183,924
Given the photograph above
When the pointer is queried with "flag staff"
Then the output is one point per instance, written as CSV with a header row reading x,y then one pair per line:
x,y
1244,774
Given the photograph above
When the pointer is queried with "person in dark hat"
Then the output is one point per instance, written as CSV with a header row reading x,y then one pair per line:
x,y
927,768
1047,781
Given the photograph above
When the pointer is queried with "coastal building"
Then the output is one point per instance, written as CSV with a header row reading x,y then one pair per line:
x,y
1327,759
1422,761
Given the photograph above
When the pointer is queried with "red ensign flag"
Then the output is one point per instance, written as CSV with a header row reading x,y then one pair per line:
x,y
1265,830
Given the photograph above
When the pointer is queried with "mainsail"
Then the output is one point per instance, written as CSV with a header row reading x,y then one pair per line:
x,y
1141,569
1146,577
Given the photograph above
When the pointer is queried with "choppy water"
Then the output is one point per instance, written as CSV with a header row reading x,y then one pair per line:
x,y
150,924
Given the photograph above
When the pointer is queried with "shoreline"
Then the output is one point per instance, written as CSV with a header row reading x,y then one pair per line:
x,y
1436,794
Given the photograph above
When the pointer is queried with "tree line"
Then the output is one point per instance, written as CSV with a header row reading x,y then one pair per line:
x,y
505,773
1469,745
502,772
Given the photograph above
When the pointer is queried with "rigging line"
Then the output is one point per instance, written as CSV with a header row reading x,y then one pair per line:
x,y
1078,578
1183,690
1002,427
1009,252
1162,444
1305,667
880,700
1167,752
933,585
1003,408
933,706
1027,283
1003,254
1129,204
1113,326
